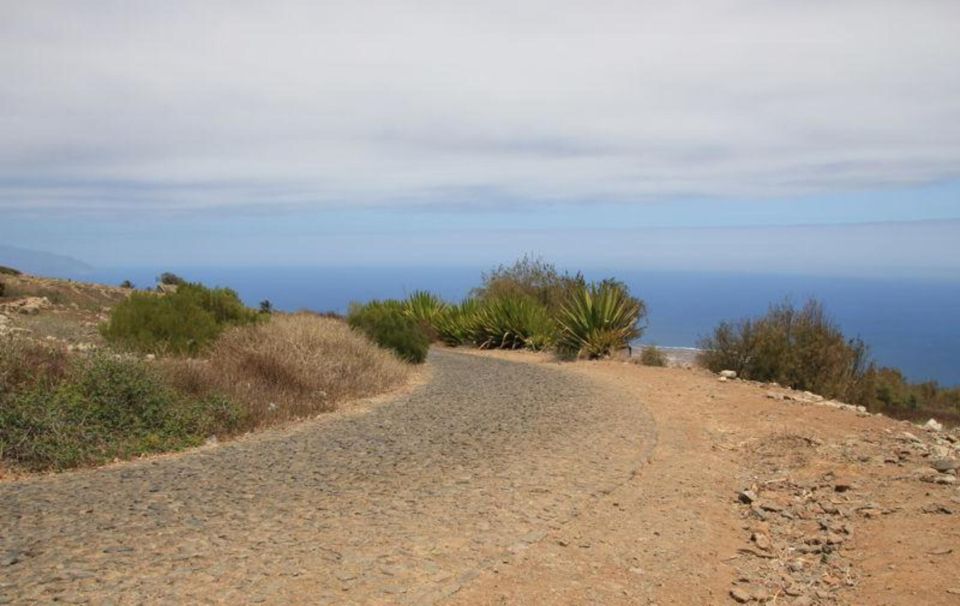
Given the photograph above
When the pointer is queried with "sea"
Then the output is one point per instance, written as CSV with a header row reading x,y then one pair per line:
x,y
911,324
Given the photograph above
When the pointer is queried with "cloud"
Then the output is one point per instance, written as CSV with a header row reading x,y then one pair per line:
x,y
183,105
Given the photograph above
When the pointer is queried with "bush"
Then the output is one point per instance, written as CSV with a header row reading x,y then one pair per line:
x,y
512,322
288,367
104,408
457,324
530,277
127,284
170,279
599,319
389,325
801,348
181,322
651,355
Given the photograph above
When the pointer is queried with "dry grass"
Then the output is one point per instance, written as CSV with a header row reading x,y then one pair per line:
x,y
288,368
66,293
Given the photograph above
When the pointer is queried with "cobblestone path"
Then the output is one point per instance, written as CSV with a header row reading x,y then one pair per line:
x,y
404,504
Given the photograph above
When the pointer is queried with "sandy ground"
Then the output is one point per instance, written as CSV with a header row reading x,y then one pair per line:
x,y
847,509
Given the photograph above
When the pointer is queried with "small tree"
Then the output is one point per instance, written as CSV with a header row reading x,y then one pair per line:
x,y
266,307
170,278
126,284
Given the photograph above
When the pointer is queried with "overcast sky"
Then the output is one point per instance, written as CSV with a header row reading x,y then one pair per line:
x,y
189,130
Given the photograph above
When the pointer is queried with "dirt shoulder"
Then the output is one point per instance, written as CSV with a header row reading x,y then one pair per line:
x,y
843,507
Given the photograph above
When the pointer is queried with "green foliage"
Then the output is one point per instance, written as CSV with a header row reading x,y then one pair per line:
x,y
170,279
512,322
389,325
126,284
424,306
457,324
651,355
266,307
9,271
598,319
530,277
180,322
801,348
104,408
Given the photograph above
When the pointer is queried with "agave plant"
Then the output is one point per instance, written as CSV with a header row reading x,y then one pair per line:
x,y
514,322
598,319
456,324
424,306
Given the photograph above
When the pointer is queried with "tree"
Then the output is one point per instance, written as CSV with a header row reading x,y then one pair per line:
x,y
266,307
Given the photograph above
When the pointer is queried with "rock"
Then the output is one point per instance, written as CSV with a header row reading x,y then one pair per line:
x,y
932,425
30,306
10,558
773,395
944,465
740,595
747,496
728,374
762,541
723,379
946,479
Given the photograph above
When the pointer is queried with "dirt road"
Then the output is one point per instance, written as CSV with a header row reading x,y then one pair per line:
x,y
509,479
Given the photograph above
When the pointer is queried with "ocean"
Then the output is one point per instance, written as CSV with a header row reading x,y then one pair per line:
x,y
913,325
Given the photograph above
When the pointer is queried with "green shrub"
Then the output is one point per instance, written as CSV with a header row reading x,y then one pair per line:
x,y
599,319
530,277
512,322
105,408
800,348
170,279
651,355
127,284
389,325
181,322
457,324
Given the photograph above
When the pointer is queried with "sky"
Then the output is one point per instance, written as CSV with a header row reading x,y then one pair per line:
x,y
790,136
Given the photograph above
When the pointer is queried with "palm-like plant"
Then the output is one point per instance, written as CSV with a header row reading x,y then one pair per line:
x,y
514,322
424,306
456,324
598,319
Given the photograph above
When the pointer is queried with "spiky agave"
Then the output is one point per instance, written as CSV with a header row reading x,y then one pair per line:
x,y
598,319
513,322
456,324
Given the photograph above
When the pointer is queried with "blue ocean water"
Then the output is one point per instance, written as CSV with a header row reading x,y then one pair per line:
x,y
910,324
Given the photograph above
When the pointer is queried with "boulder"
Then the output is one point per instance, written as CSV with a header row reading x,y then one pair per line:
x,y
728,374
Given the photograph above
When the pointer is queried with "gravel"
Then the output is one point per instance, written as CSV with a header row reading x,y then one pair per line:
x,y
402,504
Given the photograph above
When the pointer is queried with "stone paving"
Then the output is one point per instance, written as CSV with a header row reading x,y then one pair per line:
x,y
404,504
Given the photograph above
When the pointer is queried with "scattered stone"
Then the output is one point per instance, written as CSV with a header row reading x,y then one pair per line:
x,y
940,552
747,496
10,558
932,425
946,479
944,465
936,508
728,374
740,595
762,541
773,395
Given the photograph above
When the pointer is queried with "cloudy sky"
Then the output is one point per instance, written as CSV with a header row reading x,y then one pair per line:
x,y
360,132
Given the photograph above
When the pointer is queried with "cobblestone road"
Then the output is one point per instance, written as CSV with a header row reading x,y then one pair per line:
x,y
402,505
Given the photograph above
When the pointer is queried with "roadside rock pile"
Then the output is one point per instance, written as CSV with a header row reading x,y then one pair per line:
x,y
798,529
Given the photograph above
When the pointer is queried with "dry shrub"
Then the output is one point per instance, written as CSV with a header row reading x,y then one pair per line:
x,y
289,367
25,363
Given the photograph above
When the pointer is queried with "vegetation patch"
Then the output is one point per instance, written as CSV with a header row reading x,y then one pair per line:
x,y
651,355
803,348
58,412
183,321
287,368
390,325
